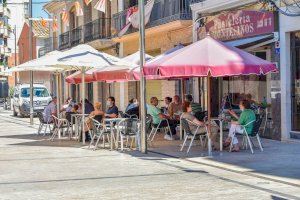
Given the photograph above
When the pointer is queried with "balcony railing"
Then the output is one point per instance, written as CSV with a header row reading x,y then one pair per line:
x,y
97,29
64,40
76,36
48,47
164,11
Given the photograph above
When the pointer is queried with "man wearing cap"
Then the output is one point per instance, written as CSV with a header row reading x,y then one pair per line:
x,y
50,109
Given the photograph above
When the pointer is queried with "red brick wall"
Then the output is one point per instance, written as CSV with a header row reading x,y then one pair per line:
x,y
23,44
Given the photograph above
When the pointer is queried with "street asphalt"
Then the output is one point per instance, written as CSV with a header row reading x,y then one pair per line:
x,y
32,167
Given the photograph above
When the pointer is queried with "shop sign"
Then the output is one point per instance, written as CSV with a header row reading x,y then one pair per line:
x,y
238,24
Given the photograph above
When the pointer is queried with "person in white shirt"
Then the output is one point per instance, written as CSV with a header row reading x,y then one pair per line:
x,y
50,110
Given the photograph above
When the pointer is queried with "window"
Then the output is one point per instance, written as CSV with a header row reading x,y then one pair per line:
x,y
37,92
26,9
295,80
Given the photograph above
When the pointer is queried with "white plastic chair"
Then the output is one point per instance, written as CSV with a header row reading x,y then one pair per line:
x,y
155,127
128,129
99,131
190,134
248,136
59,124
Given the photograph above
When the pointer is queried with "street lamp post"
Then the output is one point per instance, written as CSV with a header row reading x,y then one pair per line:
x,y
30,58
143,138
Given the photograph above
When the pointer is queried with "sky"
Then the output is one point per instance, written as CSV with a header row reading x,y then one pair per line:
x,y
37,8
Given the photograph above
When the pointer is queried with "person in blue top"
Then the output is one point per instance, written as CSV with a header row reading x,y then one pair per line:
x,y
245,118
112,110
88,107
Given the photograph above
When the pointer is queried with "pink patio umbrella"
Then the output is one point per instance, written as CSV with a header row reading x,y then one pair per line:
x,y
207,58
117,74
75,78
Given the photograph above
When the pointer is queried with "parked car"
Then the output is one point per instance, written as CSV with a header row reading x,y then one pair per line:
x,y
21,99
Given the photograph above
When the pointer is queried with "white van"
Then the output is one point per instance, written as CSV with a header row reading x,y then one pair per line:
x,y
21,99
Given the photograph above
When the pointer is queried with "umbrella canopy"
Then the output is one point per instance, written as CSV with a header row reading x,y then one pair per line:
x,y
38,64
135,58
75,78
117,74
88,57
114,74
85,56
208,56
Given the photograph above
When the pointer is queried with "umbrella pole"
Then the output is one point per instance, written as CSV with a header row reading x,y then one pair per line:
x,y
83,104
31,97
58,100
209,113
143,138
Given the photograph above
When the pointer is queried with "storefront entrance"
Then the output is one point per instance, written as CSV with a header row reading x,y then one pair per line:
x,y
295,81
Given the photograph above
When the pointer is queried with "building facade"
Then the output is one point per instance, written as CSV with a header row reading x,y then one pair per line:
x,y
169,25
290,72
5,51
19,12
39,36
252,26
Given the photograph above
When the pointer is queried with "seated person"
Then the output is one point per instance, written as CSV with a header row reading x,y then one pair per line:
x,y
253,104
50,109
112,110
187,109
97,114
168,101
158,116
88,107
74,110
132,104
68,105
246,116
79,110
196,107
175,107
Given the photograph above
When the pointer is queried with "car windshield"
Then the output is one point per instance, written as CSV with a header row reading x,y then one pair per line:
x,y
37,92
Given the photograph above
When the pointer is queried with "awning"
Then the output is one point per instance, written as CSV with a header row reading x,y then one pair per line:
x,y
243,42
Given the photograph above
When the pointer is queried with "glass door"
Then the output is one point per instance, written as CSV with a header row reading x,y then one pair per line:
x,y
295,81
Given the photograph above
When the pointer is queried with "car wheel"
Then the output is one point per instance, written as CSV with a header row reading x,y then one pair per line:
x,y
14,112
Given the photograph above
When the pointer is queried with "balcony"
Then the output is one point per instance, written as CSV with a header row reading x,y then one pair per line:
x,y
94,30
64,40
5,51
76,36
97,29
163,12
7,12
4,31
3,8
48,47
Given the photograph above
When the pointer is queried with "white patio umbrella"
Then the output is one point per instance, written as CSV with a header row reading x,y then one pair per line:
x,y
84,57
38,64
135,58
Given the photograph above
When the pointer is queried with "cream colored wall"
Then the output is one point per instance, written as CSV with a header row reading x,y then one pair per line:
x,y
38,77
159,43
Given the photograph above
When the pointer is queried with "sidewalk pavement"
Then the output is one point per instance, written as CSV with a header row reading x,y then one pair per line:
x,y
32,167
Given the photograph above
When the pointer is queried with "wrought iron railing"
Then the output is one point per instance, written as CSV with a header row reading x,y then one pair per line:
x,y
164,11
97,29
76,36
48,47
64,40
